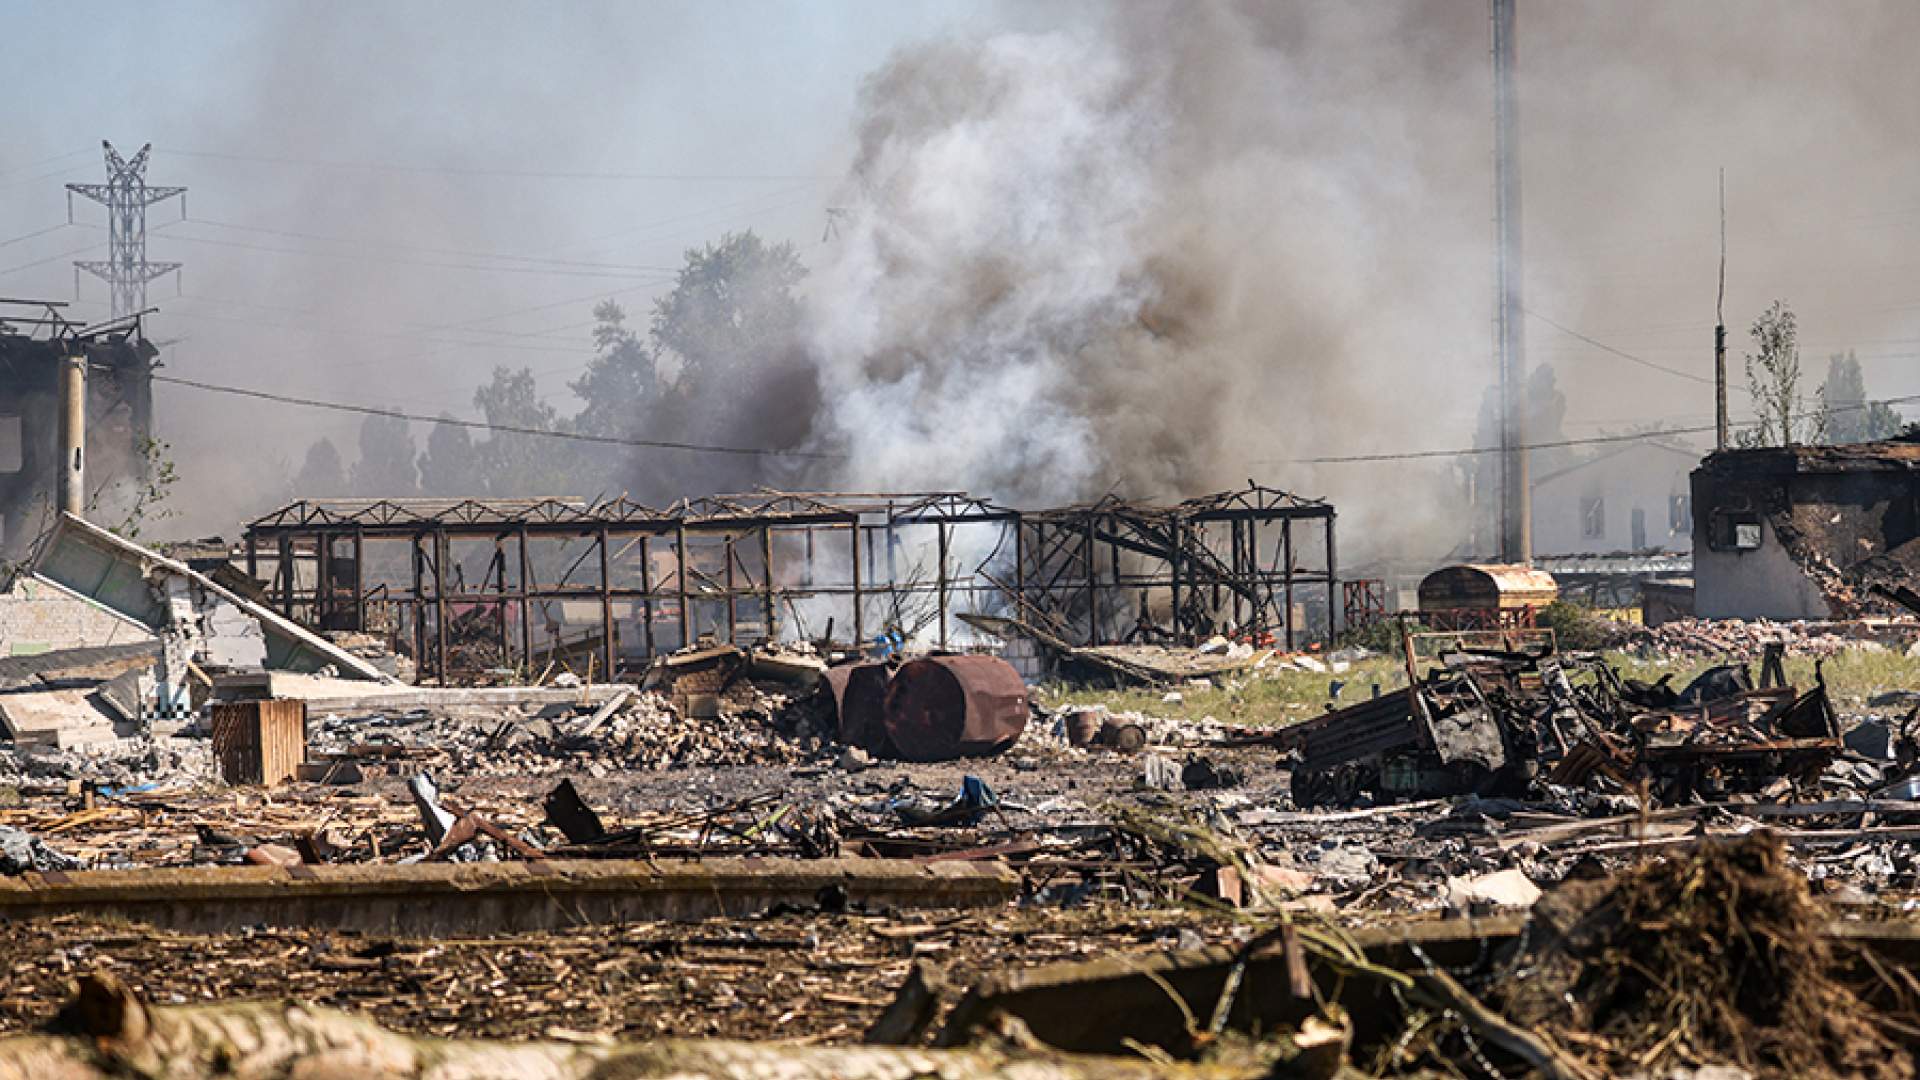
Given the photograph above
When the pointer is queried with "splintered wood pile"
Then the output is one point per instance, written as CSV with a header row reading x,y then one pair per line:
x,y
113,1033
809,977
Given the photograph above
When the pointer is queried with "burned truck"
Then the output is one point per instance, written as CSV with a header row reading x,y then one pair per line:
x,y
1499,721
1471,725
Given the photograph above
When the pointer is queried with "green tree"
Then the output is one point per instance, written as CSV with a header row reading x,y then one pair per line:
x,y
621,382
729,339
519,464
449,468
620,391
1773,382
321,475
385,469
149,496
1851,417
732,311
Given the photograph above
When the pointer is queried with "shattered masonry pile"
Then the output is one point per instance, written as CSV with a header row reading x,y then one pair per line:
x,y
1748,639
644,732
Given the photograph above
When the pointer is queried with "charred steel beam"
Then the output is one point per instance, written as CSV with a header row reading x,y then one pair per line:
x,y
526,600
646,591
606,606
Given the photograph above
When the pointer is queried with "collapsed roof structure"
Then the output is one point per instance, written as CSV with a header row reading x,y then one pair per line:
x,y
476,584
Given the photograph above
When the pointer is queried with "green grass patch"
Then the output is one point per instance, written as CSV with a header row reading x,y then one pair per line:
x,y
1252,698
1272,699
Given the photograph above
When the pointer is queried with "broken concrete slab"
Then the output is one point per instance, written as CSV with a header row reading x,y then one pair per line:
x,y
97,662
324,694
59,719
157,593
800,669
123,696
426,899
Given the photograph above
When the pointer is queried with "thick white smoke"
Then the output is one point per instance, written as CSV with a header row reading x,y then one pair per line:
x,y
1146,259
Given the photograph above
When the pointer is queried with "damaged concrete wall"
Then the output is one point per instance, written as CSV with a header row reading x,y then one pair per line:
x,y
1754,583
1805,532
119,422
36,619
171,599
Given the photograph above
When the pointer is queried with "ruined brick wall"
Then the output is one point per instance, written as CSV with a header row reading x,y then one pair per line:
x,y
35,618
699,681
1804,532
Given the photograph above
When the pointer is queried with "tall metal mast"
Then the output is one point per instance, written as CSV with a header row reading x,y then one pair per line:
x,y
126,197
1516,497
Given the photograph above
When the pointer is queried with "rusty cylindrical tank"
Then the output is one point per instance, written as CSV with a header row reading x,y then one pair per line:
x,y
859,693
1083,727
945,707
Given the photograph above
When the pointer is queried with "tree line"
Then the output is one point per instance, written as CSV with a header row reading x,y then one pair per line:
x,y
720,359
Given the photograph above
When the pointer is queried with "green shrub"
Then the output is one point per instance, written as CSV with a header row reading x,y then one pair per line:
x,y
1381,636
1576,626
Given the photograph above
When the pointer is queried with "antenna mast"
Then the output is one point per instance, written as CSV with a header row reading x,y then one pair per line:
x,y
1720,332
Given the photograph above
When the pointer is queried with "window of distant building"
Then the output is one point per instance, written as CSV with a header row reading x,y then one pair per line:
x,y
1593,518
12,452
1680,514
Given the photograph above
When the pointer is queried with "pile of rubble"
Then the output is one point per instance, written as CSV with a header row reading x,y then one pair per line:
x,y
642,731
152,759
376,649
1737,639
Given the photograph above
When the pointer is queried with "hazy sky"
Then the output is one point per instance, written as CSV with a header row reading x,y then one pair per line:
x,y
387,200
397,146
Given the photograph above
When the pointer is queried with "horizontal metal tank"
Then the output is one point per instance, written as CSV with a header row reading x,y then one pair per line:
x,y
944,707
859,700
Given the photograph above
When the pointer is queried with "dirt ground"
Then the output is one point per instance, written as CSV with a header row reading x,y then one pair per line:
x,y
809,977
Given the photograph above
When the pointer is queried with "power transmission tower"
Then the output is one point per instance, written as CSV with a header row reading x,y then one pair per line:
x,y
126,197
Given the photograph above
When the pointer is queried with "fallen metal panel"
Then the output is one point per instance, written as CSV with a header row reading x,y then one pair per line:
x,y
427,899
88,562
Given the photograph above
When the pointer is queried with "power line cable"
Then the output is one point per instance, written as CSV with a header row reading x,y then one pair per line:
x,y
481,425
43,162
629,273
458,252
53,258
31,235
459,170
55,174
1604,347
1595,440
350,332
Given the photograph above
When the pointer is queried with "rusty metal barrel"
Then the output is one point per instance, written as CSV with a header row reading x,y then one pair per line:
x,y
945,707
859,693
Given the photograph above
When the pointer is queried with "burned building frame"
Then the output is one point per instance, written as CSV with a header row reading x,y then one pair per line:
x,y
468,585
35,339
